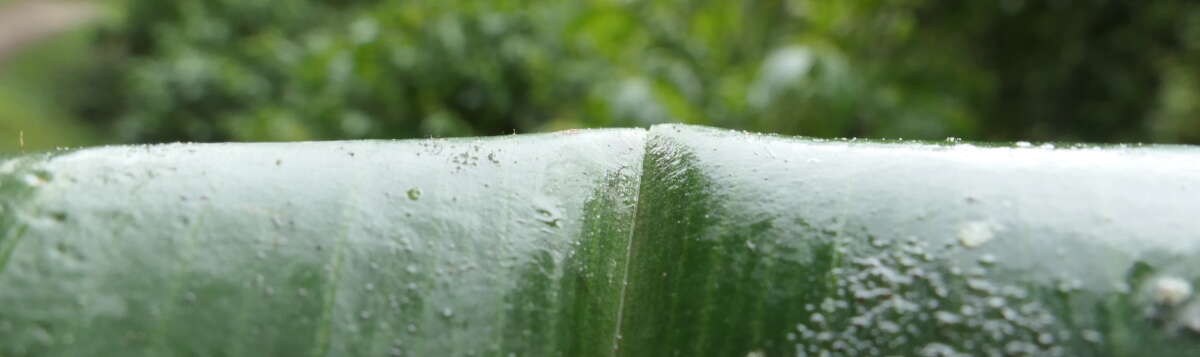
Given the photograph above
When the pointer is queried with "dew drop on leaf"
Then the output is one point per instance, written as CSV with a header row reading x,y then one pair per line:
x,y
974,234
1169,290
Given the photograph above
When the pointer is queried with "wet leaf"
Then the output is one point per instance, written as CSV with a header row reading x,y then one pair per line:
x,y
679,240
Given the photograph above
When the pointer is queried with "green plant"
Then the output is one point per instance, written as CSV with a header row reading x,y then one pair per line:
x,y
678,240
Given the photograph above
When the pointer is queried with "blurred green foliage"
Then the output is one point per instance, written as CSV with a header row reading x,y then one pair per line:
x,y
217,70
31,85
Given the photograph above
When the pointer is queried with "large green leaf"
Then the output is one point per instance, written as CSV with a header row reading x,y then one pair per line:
x,y
490,246
737,244
748,243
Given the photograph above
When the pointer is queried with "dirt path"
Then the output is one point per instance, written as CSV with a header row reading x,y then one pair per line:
x,y
26,21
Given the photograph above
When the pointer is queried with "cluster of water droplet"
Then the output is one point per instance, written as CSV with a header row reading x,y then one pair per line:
x,y
471,157
886,301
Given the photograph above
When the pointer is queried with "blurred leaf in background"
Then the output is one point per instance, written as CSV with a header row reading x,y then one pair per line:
x,y
29,107
242,70
42,53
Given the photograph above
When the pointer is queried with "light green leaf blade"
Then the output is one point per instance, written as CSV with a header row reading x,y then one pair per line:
x,y
486,246
790,246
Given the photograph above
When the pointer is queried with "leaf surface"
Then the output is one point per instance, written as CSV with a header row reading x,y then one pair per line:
x,y
486,246
736,244
750,244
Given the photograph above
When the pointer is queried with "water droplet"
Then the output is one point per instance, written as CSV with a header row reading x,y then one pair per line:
x,y
370,286
938,350
1045,338
995,302
980,285
411,269
36,179
1190,317
947,317
364,314
1170,290
414,193
1069,285
817,319
447,313
974,234
889,327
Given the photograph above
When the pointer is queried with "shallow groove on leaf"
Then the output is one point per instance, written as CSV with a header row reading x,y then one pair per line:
x,y
329,305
